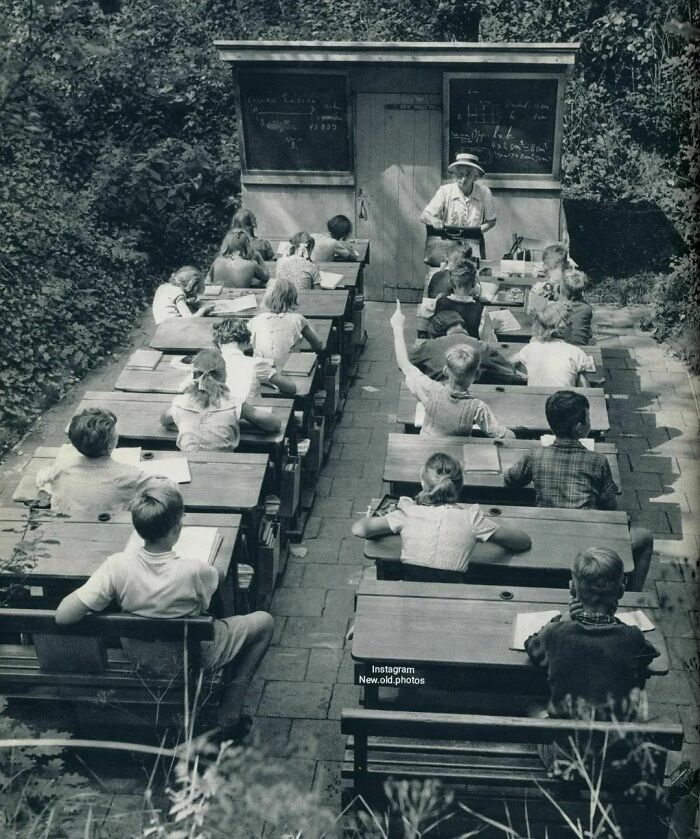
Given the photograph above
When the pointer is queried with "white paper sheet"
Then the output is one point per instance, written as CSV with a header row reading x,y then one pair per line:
x,y
419,417
130,455
331,281
175,468
504,321
527,623
636,618
194,543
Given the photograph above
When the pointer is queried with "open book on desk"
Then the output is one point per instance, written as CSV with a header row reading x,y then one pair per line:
x,y
527,624
244,303
503,321
195,542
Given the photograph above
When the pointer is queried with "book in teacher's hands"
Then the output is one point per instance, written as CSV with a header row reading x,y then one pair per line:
x,y
195,542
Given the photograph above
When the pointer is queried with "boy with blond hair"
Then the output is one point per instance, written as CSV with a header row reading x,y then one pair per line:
x,y
450,409
154,582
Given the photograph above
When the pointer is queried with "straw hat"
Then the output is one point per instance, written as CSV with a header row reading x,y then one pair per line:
x,y
464,159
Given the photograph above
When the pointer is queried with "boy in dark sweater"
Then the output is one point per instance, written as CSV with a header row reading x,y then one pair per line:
x,y
567,474
596,665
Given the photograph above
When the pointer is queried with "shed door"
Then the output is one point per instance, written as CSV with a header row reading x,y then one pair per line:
x,y
398,164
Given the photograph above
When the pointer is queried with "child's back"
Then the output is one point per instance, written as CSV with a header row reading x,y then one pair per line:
x,y
302,273
79,484
470,311
233,272
167,302
84,477
210,428
275,335
553,363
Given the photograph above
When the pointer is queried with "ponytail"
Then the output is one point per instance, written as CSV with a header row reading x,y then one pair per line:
x,y
442,480
208,387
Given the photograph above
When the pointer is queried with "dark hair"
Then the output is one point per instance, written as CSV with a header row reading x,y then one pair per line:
x,y
299,239
157,509
231,331
340,227
564,410
443,479
208,386
442,321
91,431
242,219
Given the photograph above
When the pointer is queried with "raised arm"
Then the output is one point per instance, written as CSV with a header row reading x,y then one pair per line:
x,y
398,319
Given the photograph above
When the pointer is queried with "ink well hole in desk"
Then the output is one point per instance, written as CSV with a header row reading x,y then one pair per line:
x,y
506,595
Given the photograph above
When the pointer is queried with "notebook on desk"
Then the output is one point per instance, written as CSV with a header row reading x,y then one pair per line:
x,y
331,281
527,624
504,321
300,364
144,359
480,459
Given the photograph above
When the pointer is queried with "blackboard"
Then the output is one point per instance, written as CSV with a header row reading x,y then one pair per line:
x,y
509,122
295,122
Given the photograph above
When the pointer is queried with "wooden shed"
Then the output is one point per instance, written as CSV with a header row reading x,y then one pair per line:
x,y
368,130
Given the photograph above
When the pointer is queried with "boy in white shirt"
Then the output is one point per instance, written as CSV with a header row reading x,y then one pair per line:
x,y
154,582
549,360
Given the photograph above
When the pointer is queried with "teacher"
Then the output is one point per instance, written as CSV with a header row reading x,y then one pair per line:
x,y
463,203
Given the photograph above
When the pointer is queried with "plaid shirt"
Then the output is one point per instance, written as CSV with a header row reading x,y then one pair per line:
x,y
566,474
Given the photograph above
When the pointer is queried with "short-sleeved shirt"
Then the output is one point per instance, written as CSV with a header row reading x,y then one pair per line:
x,y
276,336
263,247
165,302
470,311
160,585
553,363
439,536
206,429
458,210
602,666
579,332
300,272
451,413
79,484
565,474
245,374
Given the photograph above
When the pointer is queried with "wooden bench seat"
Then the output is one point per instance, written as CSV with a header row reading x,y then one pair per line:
x,y
490,762
82,663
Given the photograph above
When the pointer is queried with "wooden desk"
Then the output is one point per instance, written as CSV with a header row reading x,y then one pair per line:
x,y
68,550
222,482
316,303
138,420
520,407
461,631
164,378
361,246
190,335
407,453
557,537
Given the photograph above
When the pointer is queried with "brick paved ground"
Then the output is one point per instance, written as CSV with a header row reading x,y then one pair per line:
x,y
306,678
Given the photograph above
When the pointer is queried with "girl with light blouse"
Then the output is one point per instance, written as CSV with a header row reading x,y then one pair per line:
x,y
436,533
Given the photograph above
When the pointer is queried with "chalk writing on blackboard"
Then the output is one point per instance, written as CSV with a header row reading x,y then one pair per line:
x,y
295,122
509,122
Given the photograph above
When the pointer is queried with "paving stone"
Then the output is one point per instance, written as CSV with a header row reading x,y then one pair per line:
x,y
337,528
653,463
298,601
323,488
322,550
253,694
312,527
655,520
346,674
340,603
271,735
690,719
278,628
344,576
293,574
333,507
352,435
327,631
342,469
323,664
328,783
356,488
344,696
352,551
673,688
295,699
364,453
317,739
678,595
683,653
284,664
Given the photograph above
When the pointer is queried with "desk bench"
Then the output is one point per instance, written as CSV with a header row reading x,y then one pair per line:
x,y
520,407
489,762
557,537
75,664
407,453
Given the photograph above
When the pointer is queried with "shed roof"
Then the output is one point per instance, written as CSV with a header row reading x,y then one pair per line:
x,y
396,52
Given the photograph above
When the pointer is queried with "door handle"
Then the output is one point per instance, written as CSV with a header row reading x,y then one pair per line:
x,y
362,212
